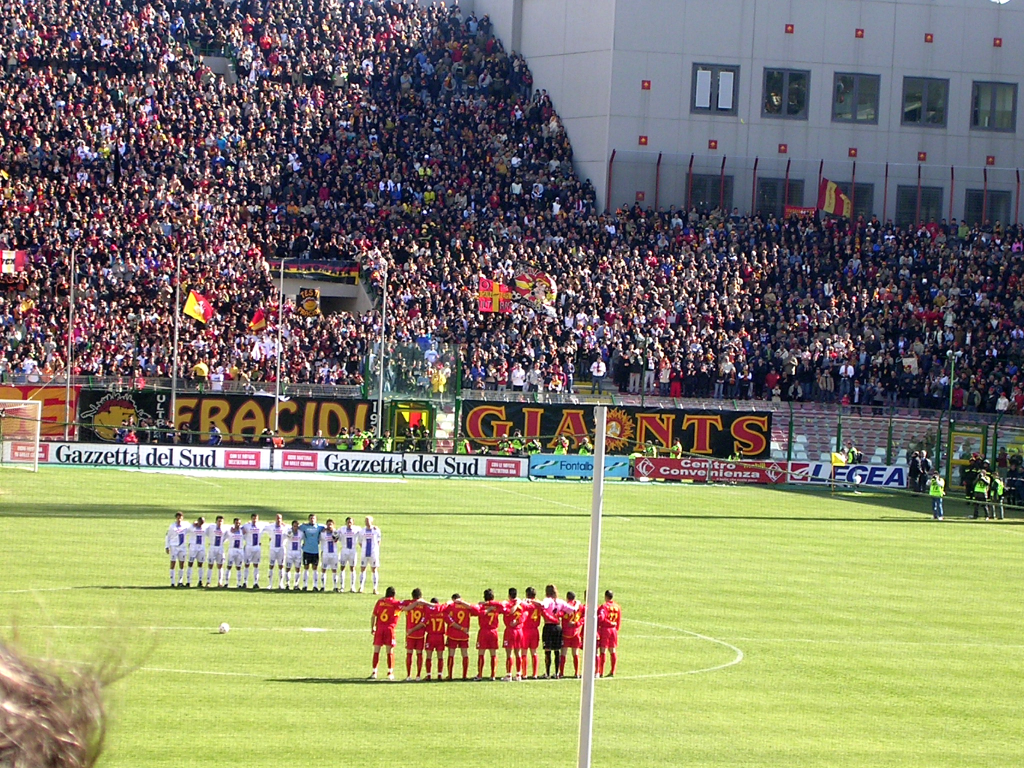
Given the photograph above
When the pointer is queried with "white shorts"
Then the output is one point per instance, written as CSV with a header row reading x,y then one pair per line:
x,y
198,554
178,553
252,555
216,556
348,557
373,560
294,559
277,556
235,557
329,562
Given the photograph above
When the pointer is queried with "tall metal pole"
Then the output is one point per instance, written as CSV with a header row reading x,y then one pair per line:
x,y
174,363
380,354
593,596
71,350
280,335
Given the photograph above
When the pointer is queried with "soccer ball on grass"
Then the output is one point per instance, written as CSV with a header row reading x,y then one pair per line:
x,y
224,628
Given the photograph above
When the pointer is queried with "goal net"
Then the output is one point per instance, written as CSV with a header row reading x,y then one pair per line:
x,y
19,433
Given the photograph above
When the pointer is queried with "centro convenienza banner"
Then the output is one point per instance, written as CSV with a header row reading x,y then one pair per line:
x,y
240,418
710,433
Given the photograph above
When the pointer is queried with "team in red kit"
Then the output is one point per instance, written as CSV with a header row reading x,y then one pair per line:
x,y
433,627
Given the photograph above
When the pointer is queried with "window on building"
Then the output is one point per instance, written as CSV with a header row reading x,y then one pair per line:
x,y
913,209
773,195
786,93
855,98
863,198
925,101
707,192
715,89
995,203
994,106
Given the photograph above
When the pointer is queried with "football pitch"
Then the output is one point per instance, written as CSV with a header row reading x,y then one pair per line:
x,y
761,627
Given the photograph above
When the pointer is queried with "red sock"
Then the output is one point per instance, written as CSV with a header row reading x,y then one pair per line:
x,y
508,665
419,663
465,667
480,666
561,665
494,663
600,664
408,664
451,664
391,662
575,665
535,665
615,661
428,666
376,659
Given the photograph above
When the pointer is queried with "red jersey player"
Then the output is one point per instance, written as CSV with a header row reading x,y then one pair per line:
x,y
457,615
487,613
609,617
531,629
382,625
513,613
415,632
572,632
436,625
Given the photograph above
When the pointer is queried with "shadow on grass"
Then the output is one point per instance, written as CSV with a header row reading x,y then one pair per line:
x,y
352,681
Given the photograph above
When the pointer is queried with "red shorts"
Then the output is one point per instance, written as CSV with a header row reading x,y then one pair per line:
x,y
512,639
487,641
572,642
414,643
453,643
608,638
531,638
435,643
384,636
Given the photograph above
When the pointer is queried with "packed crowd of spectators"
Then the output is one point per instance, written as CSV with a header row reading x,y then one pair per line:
x,y
408,139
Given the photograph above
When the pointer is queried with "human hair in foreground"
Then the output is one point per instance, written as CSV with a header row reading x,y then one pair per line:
x,y
51,715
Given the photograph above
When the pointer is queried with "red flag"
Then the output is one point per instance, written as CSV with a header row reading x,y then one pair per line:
x,y
259,320
494,296
832,200
199,307
13,261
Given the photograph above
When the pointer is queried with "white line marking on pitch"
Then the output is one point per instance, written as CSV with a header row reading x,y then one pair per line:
x,y
853,641
735,660
91,627
538,498
200,672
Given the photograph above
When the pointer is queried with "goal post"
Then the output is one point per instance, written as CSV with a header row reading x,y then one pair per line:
x,y
20,422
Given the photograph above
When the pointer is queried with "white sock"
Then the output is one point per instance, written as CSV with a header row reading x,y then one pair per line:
x,y
342,579
238,578
247,575
305,578
172,577
200,568
336,577
362,579
256,575
189,580
376,579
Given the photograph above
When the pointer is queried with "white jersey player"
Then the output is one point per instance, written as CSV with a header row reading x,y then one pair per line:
x,y
215,535
349,542
329,554
175,546
293,556
236,551
369,553
278,541
253,533
196,549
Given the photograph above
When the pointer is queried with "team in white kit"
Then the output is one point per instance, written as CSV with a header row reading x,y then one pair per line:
x,y
306,549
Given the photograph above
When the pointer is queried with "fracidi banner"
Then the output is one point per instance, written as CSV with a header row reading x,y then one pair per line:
x,y
549,465
710,433
239,417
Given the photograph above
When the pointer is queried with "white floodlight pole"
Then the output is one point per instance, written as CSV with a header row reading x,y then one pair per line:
x,y
593,574
71,349
380,354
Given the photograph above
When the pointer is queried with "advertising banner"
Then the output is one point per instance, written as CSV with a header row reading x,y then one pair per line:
x,y
425,464
871,475
711,433
239,417
700,470
548,465
53,399
142,456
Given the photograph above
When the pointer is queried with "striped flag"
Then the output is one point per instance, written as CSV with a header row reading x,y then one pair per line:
x,y
832,200
13,261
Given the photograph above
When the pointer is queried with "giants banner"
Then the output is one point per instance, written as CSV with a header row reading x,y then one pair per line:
x,y
700,470
239,417
710,433
55,410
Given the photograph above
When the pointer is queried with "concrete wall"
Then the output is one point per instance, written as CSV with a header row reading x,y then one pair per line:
x,y
591,56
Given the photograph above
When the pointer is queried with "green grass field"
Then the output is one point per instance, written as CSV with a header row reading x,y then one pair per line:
x,y
846,631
